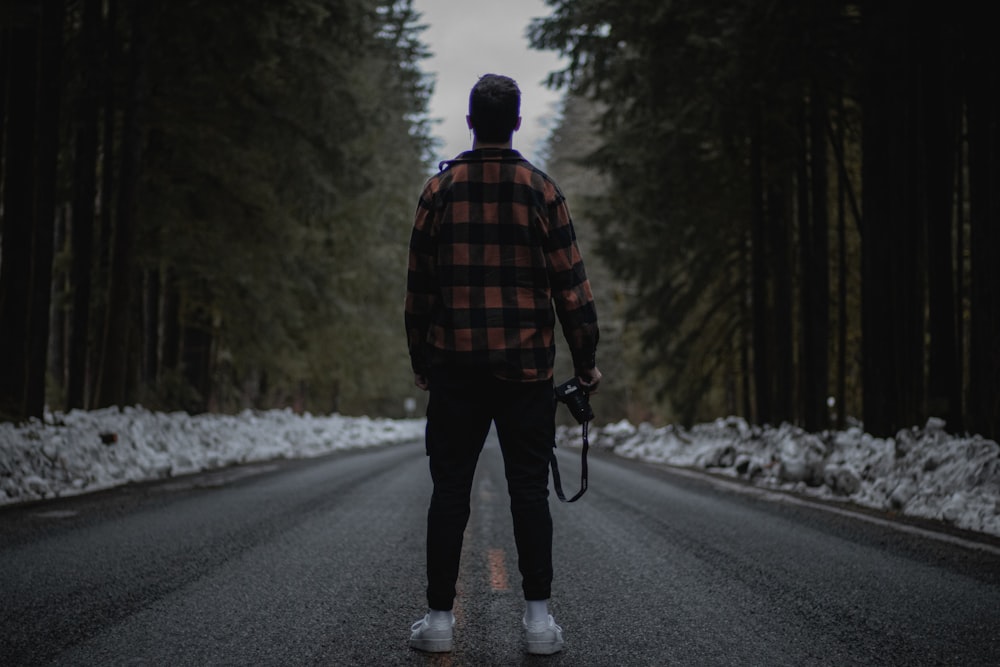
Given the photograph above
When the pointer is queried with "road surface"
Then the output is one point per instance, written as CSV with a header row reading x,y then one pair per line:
x,y
320,562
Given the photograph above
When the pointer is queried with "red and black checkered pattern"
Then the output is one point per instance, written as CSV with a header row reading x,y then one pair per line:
x,y
492,250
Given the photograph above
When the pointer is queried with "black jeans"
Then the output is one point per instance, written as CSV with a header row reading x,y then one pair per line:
x,y
462,406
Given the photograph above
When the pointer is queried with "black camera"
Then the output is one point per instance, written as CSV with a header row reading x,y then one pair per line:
x,y
577,398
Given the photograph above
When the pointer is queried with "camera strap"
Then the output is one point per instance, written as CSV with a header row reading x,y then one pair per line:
x,y
557,481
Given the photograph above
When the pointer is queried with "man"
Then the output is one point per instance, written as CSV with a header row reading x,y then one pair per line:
x,y
492,250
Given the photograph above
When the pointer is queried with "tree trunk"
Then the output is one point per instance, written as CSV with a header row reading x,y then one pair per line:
x,y
941,115
961,264
807,272
782,336
46,162
84,194
758,283
984,241
892,283
169,348
119,335
841,394
4,77
746,339
816,282
58,335
197,358
18,219
104,219
151,328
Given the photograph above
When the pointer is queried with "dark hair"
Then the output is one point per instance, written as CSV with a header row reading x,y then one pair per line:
x,y
494,106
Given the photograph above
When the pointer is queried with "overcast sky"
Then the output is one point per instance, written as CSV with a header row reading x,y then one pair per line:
x,y
469,38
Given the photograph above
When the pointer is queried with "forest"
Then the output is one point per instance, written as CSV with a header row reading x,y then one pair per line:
x,y
791,207
800,200
206,205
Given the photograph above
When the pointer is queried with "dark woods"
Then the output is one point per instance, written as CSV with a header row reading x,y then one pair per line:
x,y
206,205
803,199
194,196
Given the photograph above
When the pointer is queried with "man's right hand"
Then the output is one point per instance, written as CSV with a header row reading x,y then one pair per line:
x,y
591,379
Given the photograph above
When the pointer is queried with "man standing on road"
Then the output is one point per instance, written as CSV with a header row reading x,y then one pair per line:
x,y
492,250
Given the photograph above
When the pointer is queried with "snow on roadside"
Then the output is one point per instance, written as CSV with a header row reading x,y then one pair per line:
x,y
920,473
84,451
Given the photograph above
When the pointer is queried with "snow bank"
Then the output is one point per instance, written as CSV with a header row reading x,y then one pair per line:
x,y
921,472
85,451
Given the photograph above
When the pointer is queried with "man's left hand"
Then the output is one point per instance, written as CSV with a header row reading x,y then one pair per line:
x,y
591,379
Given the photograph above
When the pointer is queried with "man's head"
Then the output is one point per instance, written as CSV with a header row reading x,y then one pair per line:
x,y
494,109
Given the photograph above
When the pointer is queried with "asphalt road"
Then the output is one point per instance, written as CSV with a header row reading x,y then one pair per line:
x,y
321,563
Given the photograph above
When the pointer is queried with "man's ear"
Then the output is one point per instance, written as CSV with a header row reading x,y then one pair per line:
x,y
517,125
468,121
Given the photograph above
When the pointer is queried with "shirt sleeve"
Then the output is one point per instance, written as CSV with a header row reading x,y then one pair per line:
x,y
422,293
571,292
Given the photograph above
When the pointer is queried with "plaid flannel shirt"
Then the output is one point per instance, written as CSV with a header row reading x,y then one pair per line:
x,y
492,249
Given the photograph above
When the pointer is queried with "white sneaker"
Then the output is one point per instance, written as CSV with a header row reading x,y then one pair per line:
x,y
542,637
432,637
